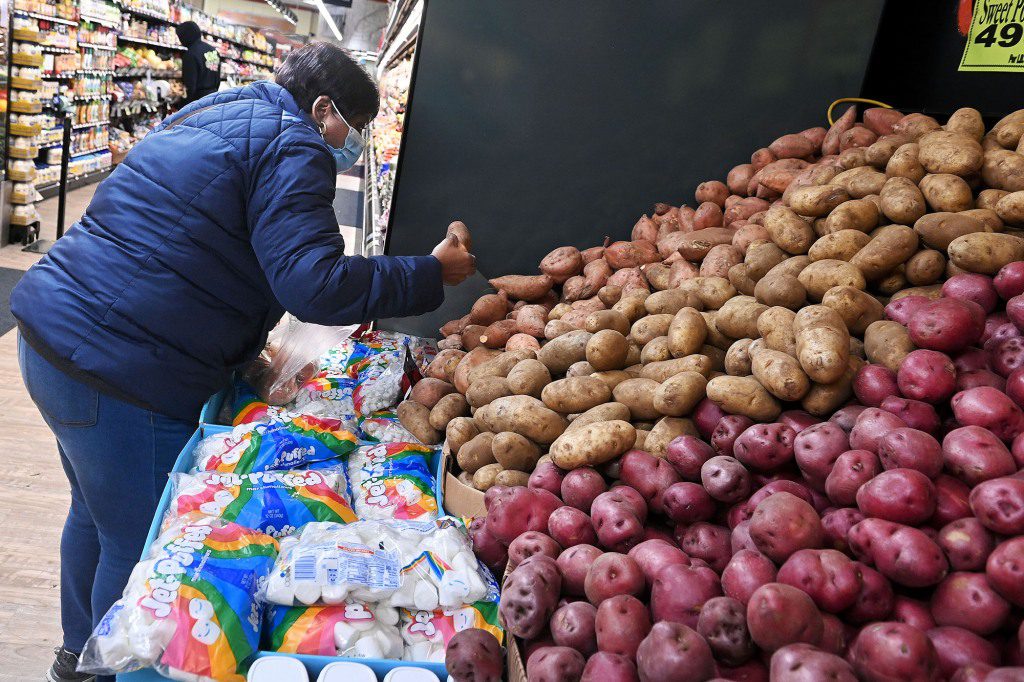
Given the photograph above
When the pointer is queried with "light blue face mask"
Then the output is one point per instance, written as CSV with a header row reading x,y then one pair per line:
x,y
347,156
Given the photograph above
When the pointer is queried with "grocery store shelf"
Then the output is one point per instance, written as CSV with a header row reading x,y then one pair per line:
x,y
37,15
248,61
89,98
102,22
96,46
146,41
146,15
53,49
58,76
94,72
143,73
211,36
89,125
74,182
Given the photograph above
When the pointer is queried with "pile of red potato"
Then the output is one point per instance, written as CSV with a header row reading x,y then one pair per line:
x,y
778,436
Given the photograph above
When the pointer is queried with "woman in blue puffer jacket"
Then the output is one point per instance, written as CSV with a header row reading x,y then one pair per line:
x,y
215,224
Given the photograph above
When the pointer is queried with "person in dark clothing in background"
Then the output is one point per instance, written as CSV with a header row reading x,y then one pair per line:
x,y
200,67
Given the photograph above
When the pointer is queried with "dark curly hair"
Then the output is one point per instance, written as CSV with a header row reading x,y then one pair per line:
x,y
322,68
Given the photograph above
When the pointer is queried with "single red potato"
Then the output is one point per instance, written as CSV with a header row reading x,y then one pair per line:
x,y
606,667
1005,570
580,487
829,577
679,592
893,651
573,625
747,570
816,450
852,469
805,663
957,648
967,544
654,555
967,600
779,614
474,655
999,505
672,651
622,622
573,564
529,543
875,601
927,375
613,574
902,495
783,524
555,664
568,526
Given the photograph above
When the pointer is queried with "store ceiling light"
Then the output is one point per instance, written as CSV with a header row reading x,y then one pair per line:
x,y
285,12
327,17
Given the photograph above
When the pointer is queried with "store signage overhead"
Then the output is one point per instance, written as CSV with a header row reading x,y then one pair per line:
x,y
995,40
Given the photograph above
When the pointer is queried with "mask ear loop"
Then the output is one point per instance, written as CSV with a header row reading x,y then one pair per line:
x,y
322,127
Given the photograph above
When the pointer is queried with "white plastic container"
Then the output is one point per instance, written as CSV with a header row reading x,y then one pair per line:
x,y
277,669
409,674
347,671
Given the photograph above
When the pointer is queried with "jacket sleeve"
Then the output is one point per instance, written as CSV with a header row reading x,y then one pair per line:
x,y
189,75
294,233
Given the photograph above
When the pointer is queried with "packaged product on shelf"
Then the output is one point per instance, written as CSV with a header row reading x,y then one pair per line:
x,y
378,366
353,628
414,565
290,358
275,502
439,568
329,563
292,442
383,426
426,633
393,481
190,609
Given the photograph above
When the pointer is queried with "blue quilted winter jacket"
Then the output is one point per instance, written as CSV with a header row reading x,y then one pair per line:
x,y
190,252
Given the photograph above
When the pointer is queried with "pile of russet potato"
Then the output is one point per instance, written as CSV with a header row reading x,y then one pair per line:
x,y
768,295
779,435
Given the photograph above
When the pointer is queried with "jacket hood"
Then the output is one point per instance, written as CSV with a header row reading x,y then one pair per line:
x,y
188,33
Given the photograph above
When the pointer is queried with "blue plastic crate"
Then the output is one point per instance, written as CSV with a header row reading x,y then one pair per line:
x,y
314,664
211,409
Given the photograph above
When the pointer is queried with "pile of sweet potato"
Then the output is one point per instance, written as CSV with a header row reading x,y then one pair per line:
x,y
778,431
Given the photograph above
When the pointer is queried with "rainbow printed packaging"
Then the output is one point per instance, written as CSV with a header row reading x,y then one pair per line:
x,y
426,633
292,443
393,481
190,609
275,502
352,629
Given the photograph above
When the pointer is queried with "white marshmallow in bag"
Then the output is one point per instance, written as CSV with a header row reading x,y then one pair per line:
x,y
334,562
352,629
413,565
199,574
426,633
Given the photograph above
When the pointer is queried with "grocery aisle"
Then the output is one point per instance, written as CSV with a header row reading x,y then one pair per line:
x,y
33,494
33,501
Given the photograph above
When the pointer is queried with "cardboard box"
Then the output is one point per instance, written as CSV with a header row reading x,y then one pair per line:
x,y
459,498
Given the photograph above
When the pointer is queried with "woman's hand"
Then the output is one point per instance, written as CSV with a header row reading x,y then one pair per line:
x,y
457,263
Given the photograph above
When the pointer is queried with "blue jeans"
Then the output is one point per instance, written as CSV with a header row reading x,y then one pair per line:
x,y
116,457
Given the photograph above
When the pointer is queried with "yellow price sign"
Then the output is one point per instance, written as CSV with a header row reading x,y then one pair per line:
x,y
995,41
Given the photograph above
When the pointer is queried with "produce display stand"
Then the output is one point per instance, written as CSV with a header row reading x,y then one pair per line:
x,y
313,664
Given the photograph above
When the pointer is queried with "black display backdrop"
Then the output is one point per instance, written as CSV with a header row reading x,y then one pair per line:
x,y
544,123
914,64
